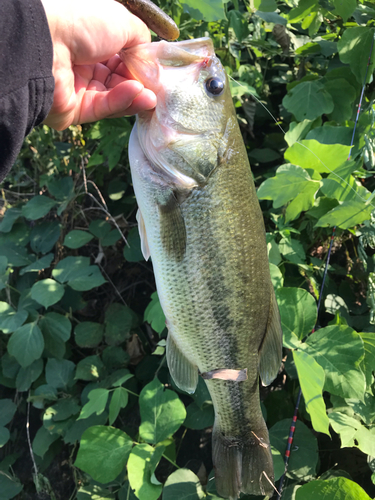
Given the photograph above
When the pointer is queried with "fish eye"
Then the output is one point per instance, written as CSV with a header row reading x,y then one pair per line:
x,y
214,86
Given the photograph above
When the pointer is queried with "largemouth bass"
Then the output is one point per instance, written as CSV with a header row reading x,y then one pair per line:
x,y
201,223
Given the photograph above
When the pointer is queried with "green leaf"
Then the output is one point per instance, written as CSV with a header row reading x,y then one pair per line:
x,y
99,228
330,134
56,331
88,334
162,412
337,488
26,344
17,256
4,436
239,24
142,463
39,265
89,368
353,433
65,408
329,347
9,486
97,402
276,276
133,252
7,411
119,400
10,217
308,100
154,314
103,452
265,5
354,49
311,378
369,360
38,207
344,8
87,279
61,188
343,96
304,457
320,157
59,373
111,238
298,313
118,322
10,320
68,268
292,250
47,292
199,418
239,88
44,236
184,485
77,239
43,440
26,376
347,215
210,10
74,433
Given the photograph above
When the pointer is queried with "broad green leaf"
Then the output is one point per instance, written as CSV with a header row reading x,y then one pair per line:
x,y
302,202
38,207
97,402
116,189
11,320
68,268
4,436
304,456
142,463
43,440
103,452
347,215
276,276
365,409
289,181
353,433
77,238
65,408
239,24
308,100
304,9
56,330
61,188
88,334
162,412
111,238
199,418
210,10
329,347
369,360
7,410
239,88
154,314
342,186
311,378
59,373
354,49
133,252
89,368
298,313
319,157
184,485
274,256
26,376
10,217
292,250
329,134
26,344
74,433
265,5
9,486
39,265
17,256
343,96
337,488
44,236
119,400
118,323
47,292
87,279
344,8
96,492
99,228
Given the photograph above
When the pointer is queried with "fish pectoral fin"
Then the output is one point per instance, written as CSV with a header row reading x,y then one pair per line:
x,y
271,350
143,235
183,372
172,227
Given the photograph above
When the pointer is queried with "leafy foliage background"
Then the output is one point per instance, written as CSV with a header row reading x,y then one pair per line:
x,y
87,408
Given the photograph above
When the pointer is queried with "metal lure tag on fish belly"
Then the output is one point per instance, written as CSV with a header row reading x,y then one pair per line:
x,y
200,221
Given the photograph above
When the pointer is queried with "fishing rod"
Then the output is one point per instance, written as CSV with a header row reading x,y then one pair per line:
x,y
294,418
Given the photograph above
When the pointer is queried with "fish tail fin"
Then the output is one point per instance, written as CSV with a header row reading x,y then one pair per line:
x,y
243,464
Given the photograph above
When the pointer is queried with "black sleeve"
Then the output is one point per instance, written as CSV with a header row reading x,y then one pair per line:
x,y
26,81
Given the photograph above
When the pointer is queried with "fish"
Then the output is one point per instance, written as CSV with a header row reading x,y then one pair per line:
x,y
200,222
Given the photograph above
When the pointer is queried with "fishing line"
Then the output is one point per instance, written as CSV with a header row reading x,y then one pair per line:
x,y
312,152
294,419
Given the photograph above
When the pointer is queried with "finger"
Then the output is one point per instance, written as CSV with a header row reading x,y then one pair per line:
x,y
101,72
115,102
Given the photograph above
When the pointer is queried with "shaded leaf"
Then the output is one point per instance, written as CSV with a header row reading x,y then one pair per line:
x,y
26,344
38,207
47,292
308,100
77,239
184,485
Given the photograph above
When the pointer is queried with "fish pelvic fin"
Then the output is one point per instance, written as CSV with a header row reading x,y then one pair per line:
x,y
271,350
183,372
243,464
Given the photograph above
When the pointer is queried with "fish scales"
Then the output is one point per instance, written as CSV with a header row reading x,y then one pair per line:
x,y
202,225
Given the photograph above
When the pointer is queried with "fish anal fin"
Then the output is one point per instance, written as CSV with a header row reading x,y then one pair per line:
x,y
271,350
183,372
172,228
143,235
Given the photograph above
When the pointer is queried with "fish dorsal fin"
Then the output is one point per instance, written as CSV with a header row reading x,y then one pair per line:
x,y
142,233
172,228
271,351
184,373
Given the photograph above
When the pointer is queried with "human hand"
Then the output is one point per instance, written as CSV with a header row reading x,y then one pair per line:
x,y
91,82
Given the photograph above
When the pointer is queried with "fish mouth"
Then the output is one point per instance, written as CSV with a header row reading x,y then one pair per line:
x,y
143,62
